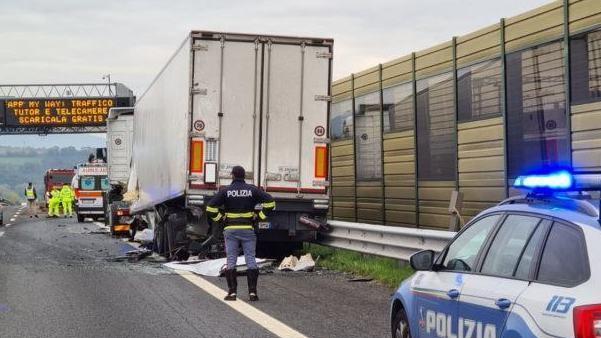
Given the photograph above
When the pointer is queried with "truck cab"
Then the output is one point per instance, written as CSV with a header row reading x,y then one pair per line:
x,y
119,125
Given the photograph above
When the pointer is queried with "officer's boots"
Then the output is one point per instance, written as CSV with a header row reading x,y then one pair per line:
x,y
252,275
232,284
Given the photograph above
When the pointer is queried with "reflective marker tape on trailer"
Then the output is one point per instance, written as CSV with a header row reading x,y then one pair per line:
x,y
321,162
196,156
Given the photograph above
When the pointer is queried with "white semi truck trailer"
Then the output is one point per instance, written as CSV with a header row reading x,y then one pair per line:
x,y
119,140
227,99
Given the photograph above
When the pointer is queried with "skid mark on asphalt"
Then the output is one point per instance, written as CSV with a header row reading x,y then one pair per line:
x,y
273,325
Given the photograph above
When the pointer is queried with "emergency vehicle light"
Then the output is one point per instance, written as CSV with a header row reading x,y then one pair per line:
x,y
558,180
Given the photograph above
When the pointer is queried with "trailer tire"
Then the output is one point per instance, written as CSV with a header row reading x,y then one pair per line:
x,y
159,238
175,230
80,218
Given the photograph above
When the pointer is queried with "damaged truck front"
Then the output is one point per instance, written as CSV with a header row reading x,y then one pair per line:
x,y
234,99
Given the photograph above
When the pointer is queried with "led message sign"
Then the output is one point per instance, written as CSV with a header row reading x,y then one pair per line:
x,y
59,112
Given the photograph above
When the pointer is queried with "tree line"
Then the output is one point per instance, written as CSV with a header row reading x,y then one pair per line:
x,y
20,165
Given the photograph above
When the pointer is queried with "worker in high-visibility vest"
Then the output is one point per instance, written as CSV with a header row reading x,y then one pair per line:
x,y
31,196
66,196
54,202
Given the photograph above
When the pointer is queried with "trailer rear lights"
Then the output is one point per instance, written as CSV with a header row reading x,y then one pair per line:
x,y
321,162
120,228
196,156
196,200
123,212
210,176
321,204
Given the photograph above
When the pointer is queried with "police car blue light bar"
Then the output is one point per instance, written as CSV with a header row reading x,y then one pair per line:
x,y
558,180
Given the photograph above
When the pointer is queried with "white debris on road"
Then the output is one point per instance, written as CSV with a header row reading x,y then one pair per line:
x,y
146,235
213,267
291,263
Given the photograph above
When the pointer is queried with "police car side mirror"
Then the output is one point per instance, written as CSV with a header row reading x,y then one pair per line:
x,y
422,260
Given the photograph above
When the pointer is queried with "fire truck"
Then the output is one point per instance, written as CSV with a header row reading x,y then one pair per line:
x,y
56,178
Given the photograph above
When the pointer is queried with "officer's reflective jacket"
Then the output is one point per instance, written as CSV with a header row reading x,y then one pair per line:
x,y
66,194
56,195
235,204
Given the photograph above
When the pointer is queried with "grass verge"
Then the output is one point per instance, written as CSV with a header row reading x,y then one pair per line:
x,y
385,270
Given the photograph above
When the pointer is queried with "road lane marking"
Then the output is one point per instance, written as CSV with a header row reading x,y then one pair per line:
x,y
13,219
271,324
1,233
8,225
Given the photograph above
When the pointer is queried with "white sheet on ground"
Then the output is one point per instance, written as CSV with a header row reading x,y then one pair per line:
x,y
213,267
145,235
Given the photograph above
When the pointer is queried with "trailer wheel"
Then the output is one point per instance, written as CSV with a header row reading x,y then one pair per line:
x,y
80,218
159,238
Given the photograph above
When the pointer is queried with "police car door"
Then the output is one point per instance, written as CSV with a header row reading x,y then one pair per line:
x,y
436,292
545,308
489,294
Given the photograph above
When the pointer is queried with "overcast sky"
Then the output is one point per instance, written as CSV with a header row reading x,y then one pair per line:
x,y
80,40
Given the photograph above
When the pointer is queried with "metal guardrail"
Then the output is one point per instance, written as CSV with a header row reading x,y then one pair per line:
x,y
388,241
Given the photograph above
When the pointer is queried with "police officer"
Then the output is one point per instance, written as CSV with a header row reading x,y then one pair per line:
x,y
237,203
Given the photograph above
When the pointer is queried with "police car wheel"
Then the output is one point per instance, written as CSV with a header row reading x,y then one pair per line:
x,y
400,325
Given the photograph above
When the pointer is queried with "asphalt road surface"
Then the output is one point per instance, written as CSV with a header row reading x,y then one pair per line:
x,y
59,278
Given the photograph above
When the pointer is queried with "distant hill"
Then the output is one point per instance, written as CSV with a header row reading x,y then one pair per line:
x,y
19,165
57,140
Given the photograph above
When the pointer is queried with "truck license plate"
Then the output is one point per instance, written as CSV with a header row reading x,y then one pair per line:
x,y
264,225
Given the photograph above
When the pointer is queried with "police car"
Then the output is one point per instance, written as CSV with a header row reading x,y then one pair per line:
x,y
524,268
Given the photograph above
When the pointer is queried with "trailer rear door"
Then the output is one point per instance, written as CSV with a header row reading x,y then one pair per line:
x,y
226,76
259,103
296,81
